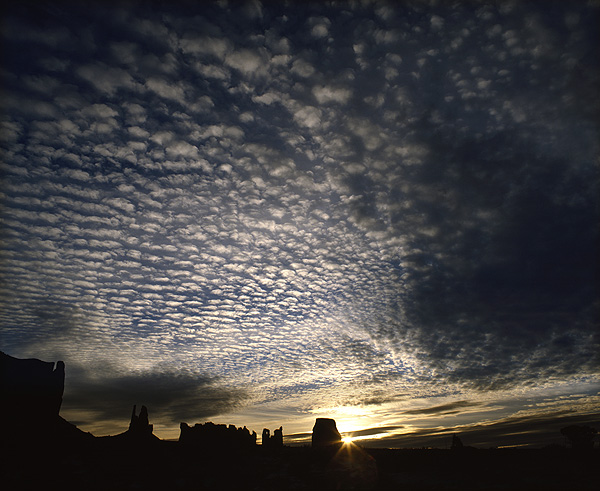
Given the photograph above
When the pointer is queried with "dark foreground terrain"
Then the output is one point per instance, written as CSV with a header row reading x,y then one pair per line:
x,y
105,464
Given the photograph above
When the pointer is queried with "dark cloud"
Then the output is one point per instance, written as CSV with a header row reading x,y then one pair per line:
x,y
378,397
537,431
298,438
174,396
375,431
532,430
499,233
450,408
508,263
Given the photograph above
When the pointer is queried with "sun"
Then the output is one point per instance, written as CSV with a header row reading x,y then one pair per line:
x,y
347,440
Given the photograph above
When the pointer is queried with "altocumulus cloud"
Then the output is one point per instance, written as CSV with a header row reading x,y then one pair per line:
x,y
354,201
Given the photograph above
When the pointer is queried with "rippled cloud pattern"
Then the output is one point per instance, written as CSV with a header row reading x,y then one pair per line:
x,y
328,203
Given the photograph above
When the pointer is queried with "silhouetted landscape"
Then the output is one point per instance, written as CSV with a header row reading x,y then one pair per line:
x,y
44,451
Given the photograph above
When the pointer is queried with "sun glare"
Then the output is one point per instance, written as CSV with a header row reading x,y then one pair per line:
x,y
347,440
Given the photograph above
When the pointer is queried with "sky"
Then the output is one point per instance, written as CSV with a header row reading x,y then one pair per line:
x,y
259,214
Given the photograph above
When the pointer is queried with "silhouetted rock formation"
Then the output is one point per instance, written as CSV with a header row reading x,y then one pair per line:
x,y
139,431
139,427
32,392
275,441
580,437
325,433
31,387
218,436
277,438
457,443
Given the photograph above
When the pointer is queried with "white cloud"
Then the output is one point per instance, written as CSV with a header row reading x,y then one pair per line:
x,y
163,137
106,79
181,149
308,116
302,68
206,45
386,37
138,132
320,30
267,98
167,89
436,22
246,117
247,61
212,71
319,26
325,94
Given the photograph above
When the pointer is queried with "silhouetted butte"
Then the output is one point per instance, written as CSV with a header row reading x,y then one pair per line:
x,y
32,392
325,433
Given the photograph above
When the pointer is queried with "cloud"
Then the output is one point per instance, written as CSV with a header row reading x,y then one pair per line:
x,y
319,26
245,60
476,279
437,22
374,431
443,409
171,396
327,205
302,67
106,79
325,94
534,431
166,89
